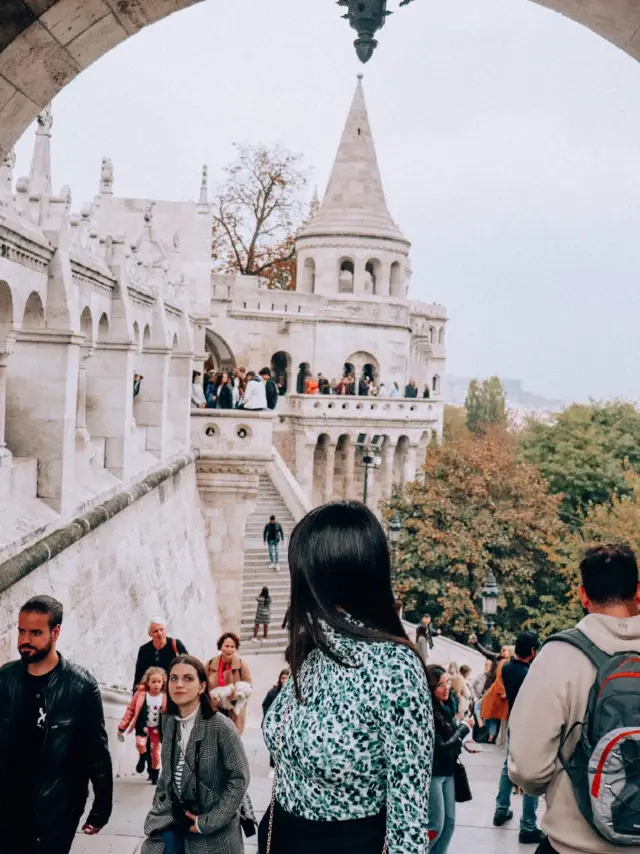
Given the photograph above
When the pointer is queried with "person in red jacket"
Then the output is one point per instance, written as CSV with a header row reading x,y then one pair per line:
x,y
144,715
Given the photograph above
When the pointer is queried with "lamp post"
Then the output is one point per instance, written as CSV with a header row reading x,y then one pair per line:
x,y
367,17
370,458
395,528
490,593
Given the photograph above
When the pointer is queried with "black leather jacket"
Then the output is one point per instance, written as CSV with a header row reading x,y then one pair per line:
x,y
448,746
75,748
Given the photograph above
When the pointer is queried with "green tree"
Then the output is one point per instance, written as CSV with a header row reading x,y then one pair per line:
x,y
585,454
479,508
485,404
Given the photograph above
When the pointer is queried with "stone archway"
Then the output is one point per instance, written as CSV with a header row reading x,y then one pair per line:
x,y
47,43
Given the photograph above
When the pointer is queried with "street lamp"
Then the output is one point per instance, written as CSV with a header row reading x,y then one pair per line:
x,y
490,593
395,529
370,458
367,17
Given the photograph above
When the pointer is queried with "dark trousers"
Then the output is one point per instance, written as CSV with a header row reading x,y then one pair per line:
x,y
58,841
545,848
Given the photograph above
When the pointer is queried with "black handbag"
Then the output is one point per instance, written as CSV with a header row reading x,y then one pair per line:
x,y
248,821
461,784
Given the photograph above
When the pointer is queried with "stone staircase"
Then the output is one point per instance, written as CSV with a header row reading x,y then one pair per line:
x,y
258,575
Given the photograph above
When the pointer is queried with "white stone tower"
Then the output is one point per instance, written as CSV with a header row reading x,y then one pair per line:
x,y
351,245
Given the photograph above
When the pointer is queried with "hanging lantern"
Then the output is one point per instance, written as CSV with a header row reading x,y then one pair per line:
x,y
367,17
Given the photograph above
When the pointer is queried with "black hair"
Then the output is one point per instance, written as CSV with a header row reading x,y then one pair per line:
x,y
206,706
434,674
265,594
278,684
340,564
421,632
464,670
272,518
526,644
45,605
609,573
194,375
226,636
265,371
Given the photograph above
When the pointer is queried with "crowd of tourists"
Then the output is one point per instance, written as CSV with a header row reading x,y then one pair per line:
x,y
239,389
365,732
366,386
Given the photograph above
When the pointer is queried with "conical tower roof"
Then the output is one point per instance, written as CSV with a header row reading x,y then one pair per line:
x,y
354,203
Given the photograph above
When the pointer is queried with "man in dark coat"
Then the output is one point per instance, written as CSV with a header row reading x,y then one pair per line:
x,y
158,652
271,388
52,741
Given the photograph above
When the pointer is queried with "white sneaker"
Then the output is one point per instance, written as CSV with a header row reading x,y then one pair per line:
x,y
277,567
272,566
254,640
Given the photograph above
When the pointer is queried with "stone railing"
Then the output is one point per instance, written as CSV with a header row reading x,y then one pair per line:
x,y
348,407
232,434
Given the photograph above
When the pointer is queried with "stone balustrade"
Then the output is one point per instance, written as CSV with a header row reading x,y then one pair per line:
x,y
366,409
232,435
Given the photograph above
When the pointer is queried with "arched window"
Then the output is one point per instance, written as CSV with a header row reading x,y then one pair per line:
x,y
309,276
372,274
347,273
436,384
280,368
432,335
441,335
397,282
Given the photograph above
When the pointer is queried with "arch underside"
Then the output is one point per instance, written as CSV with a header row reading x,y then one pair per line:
x,y
44,44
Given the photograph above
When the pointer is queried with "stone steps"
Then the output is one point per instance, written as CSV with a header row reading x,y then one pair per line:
x,y
257,573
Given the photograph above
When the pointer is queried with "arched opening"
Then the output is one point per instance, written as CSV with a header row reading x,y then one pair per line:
x,y
436,384
221,357
86,326
103,330
136,336
304,370
309,276
400,463
346,276
372,277
366,370
280,371
343,467
319,469
6,311
396,284
33,313
146,337
432,335
441,335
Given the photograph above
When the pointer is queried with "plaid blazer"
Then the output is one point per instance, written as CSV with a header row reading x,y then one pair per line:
x,y
223,779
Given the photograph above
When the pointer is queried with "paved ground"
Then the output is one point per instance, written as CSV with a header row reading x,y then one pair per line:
x,y
474,830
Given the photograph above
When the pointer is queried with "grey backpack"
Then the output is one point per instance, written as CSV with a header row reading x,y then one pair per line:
x,y
604,768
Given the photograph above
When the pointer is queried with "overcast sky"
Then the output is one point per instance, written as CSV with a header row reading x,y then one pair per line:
x,y
508,137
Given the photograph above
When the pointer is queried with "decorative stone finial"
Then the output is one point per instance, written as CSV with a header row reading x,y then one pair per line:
x,y
360,76
106,177
204,186
7,165
45,122
148,213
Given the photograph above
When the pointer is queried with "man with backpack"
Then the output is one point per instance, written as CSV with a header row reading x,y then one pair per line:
x,y
270,387
513,675
158,652
273,535
575,727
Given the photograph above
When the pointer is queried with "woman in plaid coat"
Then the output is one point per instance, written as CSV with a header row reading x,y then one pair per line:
x,y
205,772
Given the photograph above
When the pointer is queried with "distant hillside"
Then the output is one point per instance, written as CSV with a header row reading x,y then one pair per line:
x,y
454,391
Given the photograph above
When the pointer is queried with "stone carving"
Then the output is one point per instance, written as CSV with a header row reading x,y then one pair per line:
x,y
106,177
6,180
45,121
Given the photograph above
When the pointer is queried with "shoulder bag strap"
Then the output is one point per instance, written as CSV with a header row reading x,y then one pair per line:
x,y
578,639
174,644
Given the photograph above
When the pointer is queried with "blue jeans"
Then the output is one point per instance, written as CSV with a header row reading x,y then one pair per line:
x,y
442,813
274,551
503,801
493,727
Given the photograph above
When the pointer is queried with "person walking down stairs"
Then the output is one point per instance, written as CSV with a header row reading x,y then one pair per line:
x,y
263,614
273,535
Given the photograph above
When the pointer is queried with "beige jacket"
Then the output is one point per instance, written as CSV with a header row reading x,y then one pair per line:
x,y
553,697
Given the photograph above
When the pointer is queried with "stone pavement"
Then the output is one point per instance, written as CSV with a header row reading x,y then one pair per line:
x,y
474,829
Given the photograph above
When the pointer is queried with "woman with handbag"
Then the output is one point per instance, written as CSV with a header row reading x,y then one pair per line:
x,y
205,772
351,731
446,763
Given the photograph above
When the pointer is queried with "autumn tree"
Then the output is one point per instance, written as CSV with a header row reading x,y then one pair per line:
x,y
256,214
485,404
479,508
455,423
585,454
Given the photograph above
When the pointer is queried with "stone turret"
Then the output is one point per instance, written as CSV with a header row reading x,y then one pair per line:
x,y
351,245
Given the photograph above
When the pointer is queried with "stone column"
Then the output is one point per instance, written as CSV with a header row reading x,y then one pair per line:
x,y
383,282
350,471
110,405
179,414
386,471
151,406
358,277
42,390
330,461
305,447
410,465
82,434
6,458
229,494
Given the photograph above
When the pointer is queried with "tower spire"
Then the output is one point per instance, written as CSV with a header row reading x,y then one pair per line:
x,y
40,174
204,186
354,202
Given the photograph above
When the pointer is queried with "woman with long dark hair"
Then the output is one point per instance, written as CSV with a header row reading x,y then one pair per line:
x,y
205,772
448,746
352,731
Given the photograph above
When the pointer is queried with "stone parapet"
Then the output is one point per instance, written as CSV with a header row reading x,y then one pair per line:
x,y
363,410
234,435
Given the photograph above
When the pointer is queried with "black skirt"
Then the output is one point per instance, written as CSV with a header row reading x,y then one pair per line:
x,y
293,835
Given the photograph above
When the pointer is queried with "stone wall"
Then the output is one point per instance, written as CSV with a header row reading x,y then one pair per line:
x,y
151,558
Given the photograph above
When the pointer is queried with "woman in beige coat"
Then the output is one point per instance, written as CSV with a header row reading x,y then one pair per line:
x,y
227,668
